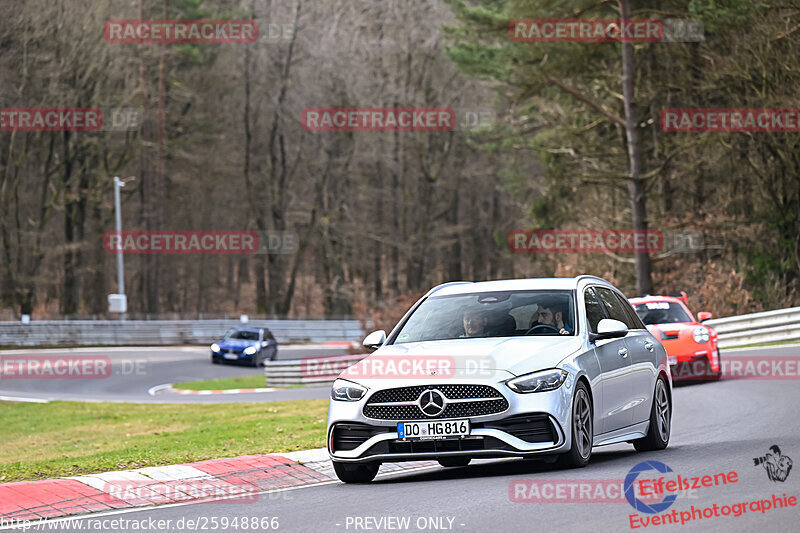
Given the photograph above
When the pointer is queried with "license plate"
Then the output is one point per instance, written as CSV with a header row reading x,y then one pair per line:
x,y
230,356
672,360
433,429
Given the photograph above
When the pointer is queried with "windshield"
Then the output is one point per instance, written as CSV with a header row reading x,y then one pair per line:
x,y
661,313
239,334
491,314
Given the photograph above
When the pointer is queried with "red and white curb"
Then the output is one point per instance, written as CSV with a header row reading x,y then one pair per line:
x,y
168,388
344,344
231,480
226,391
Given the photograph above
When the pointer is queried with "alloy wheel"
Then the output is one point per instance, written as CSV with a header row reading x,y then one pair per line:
x,y
662,411
582,423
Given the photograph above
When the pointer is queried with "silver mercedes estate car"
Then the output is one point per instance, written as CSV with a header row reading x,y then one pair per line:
x,y
514,368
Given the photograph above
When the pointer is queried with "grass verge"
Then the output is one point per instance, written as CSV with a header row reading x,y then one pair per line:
x,y
58,439
245,382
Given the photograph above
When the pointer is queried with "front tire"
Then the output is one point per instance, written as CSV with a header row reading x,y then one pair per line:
x,y
582,430
356,473
714,376
658,433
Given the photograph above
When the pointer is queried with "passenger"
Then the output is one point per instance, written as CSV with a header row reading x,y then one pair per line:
x,y
475,321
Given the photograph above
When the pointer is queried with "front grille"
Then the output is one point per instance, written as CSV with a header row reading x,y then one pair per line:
x,y
410,448
485,400
428,446
668,336
452,392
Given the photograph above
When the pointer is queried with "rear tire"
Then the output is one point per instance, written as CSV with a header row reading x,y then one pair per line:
x,y
451,462
356,473
582,430
658,433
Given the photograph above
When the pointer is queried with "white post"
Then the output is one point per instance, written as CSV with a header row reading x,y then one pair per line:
x,y
120,270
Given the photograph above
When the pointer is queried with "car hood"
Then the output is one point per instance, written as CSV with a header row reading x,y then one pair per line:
x,y
494,358
671,329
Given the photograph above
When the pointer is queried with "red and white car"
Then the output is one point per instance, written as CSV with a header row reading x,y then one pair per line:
x,y
692,348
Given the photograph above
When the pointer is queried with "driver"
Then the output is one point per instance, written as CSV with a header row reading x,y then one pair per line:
x,y
550,316
475,321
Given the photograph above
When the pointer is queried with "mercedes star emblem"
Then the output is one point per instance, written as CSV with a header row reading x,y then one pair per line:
x,y
431,402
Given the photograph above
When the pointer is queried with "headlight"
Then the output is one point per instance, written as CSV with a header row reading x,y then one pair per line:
x,y
250,350
546,380
701,335
215,347
347,391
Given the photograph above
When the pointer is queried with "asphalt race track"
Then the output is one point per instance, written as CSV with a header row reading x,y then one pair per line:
x,y
138,374
717,428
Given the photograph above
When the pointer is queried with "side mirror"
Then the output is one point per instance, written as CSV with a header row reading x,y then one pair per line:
x,y
374,340
609,328
702,316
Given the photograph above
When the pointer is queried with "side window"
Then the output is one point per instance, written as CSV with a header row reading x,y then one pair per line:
x,y
594,311
613,305
633,322
268,335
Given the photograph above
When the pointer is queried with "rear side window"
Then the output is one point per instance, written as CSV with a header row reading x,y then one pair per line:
x,y
633,321
613,306
594,310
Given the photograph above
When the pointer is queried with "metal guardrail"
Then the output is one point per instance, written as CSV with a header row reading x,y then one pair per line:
x,y
771,326
167,332
309,371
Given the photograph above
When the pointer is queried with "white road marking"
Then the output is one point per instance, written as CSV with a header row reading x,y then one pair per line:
x,y
22,400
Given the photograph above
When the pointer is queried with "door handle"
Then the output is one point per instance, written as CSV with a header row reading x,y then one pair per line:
x,y
648,346
623,352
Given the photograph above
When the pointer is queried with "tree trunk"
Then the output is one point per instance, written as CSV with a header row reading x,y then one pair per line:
x,y
636,185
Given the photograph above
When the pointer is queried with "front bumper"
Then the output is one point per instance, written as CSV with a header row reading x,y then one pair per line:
x,y
688,362
532,424
240,356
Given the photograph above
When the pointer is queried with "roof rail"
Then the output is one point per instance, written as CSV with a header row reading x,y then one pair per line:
x,y
589,276
448,284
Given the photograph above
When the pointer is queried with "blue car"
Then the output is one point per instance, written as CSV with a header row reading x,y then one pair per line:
x,y
245,345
